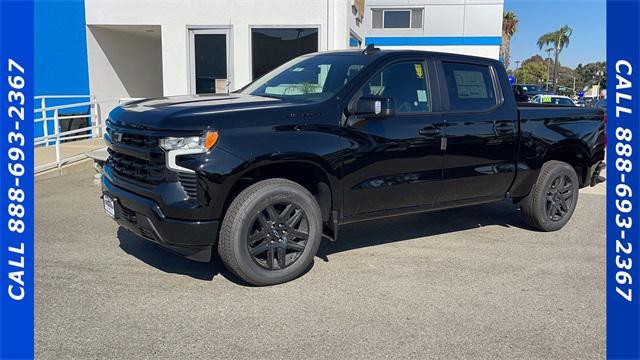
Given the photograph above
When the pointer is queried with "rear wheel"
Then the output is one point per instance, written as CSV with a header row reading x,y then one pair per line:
x,y
271,232
553,198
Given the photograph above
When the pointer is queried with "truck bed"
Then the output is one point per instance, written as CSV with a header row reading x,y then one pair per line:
x,y
552,131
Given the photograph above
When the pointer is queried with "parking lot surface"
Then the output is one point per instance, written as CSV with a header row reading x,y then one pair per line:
x,y
462,283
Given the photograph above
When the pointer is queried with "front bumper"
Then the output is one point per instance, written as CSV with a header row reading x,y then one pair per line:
x,y
143,216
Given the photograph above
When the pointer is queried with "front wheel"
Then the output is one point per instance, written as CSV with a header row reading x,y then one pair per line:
x,y
553,198
271,232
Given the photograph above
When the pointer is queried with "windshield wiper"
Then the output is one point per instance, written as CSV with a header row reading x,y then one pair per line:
x,y
272,96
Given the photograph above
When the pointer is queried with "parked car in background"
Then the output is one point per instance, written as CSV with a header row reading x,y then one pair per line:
x,y
524,92
590,102
601,104
581,102
553,100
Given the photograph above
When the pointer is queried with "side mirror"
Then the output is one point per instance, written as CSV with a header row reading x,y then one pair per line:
x,y
374,107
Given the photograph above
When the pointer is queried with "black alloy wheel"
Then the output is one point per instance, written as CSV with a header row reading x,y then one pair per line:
x,y
271,232
559,197
278,235
553,198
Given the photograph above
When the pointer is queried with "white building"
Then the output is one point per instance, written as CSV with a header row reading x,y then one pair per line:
x,y
149,48
470,27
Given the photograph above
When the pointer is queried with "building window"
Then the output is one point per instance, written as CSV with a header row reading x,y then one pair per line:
x,y
210,61
272,47
354,40
396,18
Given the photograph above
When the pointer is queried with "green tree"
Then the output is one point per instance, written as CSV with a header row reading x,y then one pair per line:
x,y
559,39
532,71
590,74
509,27
565,79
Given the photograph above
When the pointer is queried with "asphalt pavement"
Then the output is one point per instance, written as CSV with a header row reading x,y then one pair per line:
x,y
471,283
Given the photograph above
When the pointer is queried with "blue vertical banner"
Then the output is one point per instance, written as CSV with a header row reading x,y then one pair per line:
x,y
623,182
16,180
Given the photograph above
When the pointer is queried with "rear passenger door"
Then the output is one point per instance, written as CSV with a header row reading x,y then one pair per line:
x,y
479,160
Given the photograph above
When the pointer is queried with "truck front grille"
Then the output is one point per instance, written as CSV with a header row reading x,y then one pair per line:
x,y
122,135
143,160
135,155
139,140
140,170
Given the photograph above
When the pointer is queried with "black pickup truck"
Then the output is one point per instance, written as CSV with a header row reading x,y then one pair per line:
x,y
266,172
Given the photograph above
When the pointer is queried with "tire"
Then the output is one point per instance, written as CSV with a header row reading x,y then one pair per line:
x,y
271,232
553,198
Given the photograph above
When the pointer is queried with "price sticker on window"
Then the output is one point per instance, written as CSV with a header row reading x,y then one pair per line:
x,y
419,71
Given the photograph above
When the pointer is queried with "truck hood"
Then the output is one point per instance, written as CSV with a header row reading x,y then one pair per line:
x,y
192,112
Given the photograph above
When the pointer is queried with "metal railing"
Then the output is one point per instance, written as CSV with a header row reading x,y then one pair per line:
x,y
53,137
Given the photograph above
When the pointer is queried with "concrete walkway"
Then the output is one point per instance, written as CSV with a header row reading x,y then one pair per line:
x,y
73,151
600,189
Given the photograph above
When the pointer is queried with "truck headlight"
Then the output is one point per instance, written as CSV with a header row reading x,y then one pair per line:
x,y
203,143
176,146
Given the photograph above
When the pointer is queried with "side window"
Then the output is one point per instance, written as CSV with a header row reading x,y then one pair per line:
x,y
470,86
405,82
566,102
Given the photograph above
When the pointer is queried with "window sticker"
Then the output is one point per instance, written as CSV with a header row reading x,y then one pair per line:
x,y
419,71
422,96
546,99
470,84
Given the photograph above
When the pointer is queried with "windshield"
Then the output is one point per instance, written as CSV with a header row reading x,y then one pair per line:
x,y
309,78
532,89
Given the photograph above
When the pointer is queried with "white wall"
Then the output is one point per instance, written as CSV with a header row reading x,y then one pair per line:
x,y
332,17
492,52
124,62
446,18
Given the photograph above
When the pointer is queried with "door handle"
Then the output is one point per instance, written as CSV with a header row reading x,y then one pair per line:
x,y
430,132
503,128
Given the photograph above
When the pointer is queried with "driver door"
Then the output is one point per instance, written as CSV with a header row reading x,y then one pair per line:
x,y
396,162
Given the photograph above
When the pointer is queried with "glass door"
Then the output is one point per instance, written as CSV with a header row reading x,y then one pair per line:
x,y
209,68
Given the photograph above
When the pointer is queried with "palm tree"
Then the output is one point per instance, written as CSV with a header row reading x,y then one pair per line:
x,y
560,40
509,27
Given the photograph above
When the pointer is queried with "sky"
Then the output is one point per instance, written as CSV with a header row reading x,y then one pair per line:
x,y
536,17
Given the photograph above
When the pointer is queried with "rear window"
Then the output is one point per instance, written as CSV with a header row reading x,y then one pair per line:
x,y
563,101
532,89
470,86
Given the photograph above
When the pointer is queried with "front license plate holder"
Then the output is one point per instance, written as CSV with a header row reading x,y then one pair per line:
x,y
109,206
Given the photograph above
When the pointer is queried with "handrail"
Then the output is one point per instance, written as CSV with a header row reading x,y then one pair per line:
x,y
64,117
96,126
61,96
62,135
53,137
60,107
